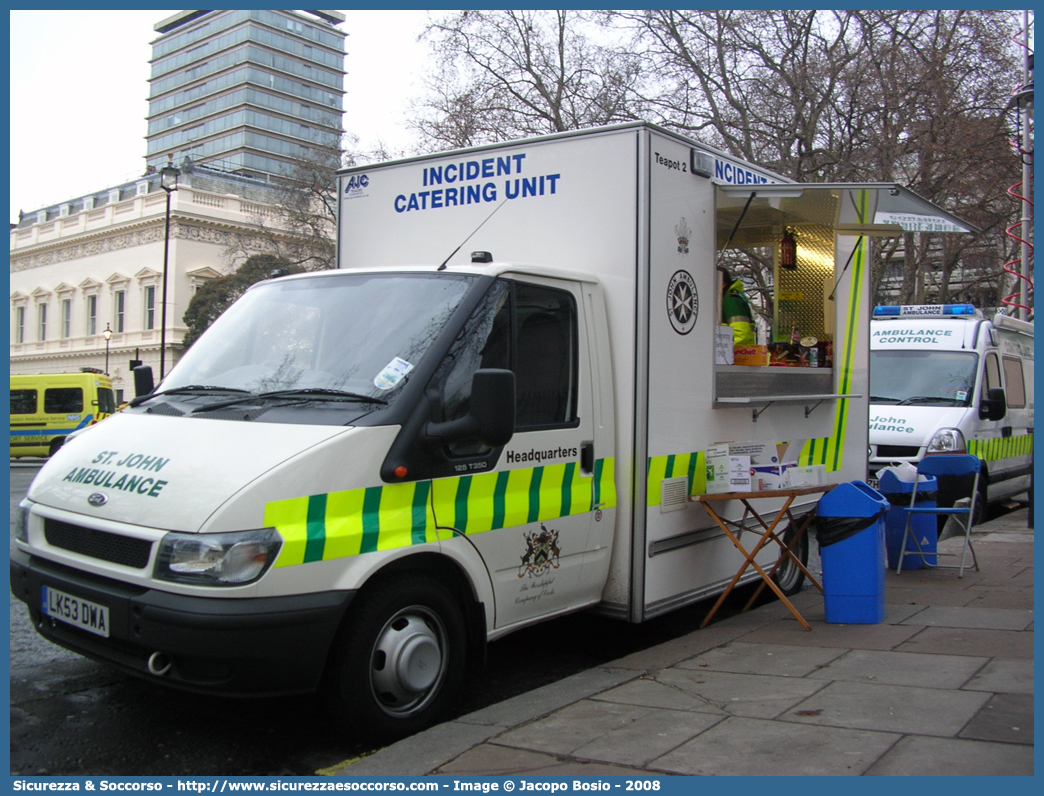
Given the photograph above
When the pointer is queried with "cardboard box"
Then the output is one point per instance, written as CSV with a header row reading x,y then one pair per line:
x,y
765,478
739,474
796,477
726,473
723,354
717,459
761,453
750,355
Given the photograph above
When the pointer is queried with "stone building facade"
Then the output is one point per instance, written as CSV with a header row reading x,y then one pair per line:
x,y
97,263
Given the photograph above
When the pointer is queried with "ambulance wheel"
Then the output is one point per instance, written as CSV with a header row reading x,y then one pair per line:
x,y
789,576
56,443
401,659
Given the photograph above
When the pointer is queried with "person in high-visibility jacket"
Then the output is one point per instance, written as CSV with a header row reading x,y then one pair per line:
x,y
736,312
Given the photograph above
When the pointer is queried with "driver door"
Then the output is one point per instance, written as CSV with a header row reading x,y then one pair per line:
x,y
528,511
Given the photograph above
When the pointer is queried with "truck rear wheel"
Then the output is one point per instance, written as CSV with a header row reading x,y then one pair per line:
x,y
789,576
401,659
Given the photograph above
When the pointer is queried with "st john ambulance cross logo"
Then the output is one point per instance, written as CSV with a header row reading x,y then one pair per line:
x,y
683,304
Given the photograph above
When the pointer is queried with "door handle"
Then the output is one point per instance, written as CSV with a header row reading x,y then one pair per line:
x,y
587,457
1006,431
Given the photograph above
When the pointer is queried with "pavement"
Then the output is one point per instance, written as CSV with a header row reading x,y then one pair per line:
x,y
943,686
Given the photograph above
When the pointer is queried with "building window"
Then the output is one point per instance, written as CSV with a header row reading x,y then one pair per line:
x,y
41,322
119,307
92,316
66,317
19,324
150,307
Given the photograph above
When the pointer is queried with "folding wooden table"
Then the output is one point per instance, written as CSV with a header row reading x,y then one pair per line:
x,y
767,534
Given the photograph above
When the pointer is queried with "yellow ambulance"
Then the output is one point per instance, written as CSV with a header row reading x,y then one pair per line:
x,y
46,408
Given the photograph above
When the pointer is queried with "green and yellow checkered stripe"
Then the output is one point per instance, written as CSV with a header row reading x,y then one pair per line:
x,y
356,521
992,450
693,465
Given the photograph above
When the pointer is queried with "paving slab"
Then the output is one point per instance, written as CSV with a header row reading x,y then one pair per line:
x,y
679,649
490,760
1006,717
917,755
895,613
982,618
994,576
417,755
756,747
928,594
901,668
889,708
779,660
1003,597
1024,578
823,634
971,641
720,693
609,732
541,701
1003,676
649,691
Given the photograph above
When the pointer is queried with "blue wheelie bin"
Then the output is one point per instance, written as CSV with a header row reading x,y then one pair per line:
x,y
850,528
924,526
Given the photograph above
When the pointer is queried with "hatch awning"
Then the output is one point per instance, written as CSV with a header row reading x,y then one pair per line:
x,y
884,209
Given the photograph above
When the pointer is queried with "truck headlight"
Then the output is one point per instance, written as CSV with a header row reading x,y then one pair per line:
x,y
947,440
217,559
22,522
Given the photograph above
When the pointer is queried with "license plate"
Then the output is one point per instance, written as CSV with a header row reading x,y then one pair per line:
x,y
76,611
873,483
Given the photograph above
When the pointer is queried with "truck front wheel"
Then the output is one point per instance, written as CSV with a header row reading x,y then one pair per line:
x,y
401,659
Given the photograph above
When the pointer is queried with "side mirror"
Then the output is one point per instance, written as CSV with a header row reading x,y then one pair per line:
x,y
491,419
143,384
994,406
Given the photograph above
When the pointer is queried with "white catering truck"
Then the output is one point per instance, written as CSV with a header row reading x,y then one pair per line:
x,y
944,379
492,413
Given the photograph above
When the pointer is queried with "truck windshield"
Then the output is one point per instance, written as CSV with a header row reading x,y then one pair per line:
x,y
922,378
358,334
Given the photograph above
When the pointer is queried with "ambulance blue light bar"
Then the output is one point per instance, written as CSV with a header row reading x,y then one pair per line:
x,y
927,311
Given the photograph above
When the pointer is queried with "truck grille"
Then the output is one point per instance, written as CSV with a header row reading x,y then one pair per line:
x,y
904,451
98,544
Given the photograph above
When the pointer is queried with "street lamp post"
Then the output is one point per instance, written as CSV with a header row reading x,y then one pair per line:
x,y
169,182
107,334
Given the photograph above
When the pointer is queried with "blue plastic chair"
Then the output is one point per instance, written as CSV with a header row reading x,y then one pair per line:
x,y
940,465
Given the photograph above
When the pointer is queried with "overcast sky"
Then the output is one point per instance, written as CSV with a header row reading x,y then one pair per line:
x,y
79,82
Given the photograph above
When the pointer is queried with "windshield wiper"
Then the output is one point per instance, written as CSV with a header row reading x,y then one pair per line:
x,y
883,398
924,399
187,390
322,393
302,395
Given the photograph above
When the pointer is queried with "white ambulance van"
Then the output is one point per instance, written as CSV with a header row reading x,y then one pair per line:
x,y
357,478
944,379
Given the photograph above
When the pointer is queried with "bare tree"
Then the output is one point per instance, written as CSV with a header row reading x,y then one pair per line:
x,y
296,222
910,96
508,74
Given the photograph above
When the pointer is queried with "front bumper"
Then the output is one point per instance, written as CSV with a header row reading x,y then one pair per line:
x,y
230,647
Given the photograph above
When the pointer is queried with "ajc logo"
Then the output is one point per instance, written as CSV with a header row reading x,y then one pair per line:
x,y
357,183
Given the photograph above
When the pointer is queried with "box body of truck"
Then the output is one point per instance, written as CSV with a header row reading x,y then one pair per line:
x,y
932,371
355,478
648,215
